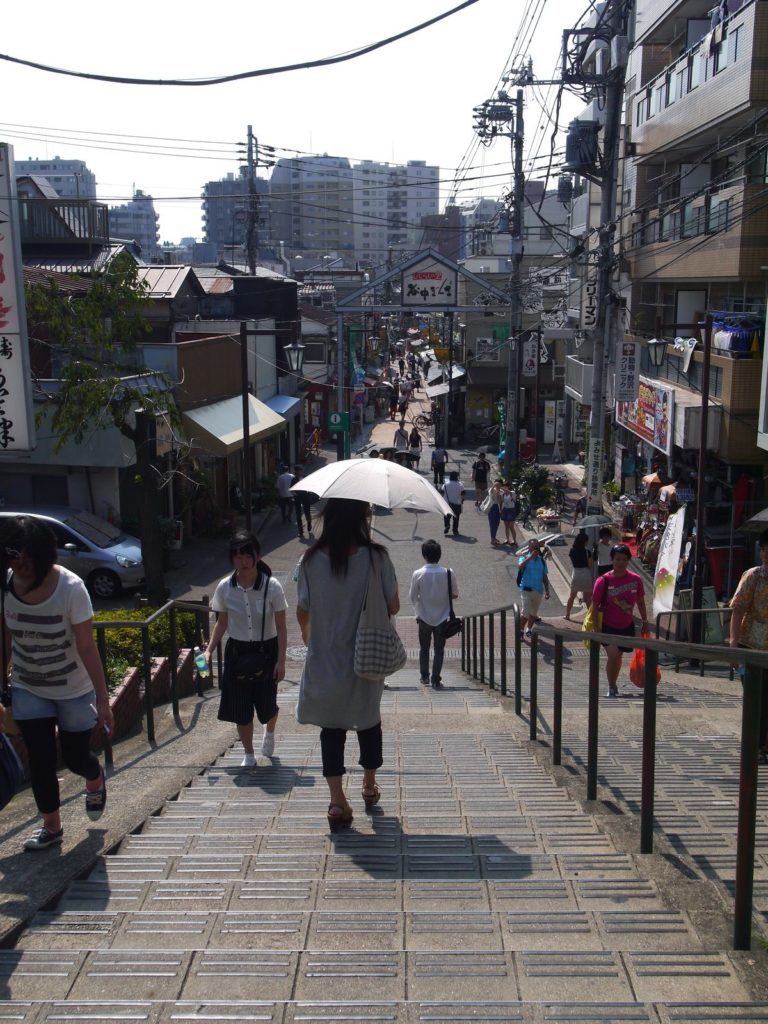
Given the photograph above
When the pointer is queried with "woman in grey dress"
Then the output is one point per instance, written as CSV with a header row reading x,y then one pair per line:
x,y
332,582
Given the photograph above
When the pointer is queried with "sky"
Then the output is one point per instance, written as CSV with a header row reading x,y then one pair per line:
x,y
411,100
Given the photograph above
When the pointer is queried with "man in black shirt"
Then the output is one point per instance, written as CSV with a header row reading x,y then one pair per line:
x,y
480,472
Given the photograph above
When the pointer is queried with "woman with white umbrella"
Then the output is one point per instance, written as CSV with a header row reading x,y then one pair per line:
x,y
332,584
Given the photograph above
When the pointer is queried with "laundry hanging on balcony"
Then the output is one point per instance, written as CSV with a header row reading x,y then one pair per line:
x,y
741,336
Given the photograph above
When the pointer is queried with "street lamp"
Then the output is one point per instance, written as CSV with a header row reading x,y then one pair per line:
x,y
657,351
294,354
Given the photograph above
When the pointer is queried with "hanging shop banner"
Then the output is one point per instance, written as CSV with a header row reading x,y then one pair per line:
x,y
651,416
429,283
594,478
627,383
17,425
550,419
530,354
666,564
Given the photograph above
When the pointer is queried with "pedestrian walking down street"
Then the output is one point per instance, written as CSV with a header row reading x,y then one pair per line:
x,y
494,510
250,604
393,403
481,470
331,587
615,594
57,680
429,596
580,508
509,509
284,496
581,578
414,447
453,491
439,459
401,366
749,623
302,502
601,553
534,584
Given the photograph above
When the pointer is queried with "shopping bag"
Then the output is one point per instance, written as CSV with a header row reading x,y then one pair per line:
x,y
593,622
637,666
11,771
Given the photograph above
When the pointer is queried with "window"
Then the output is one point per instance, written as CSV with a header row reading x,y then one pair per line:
x,y
733,44
721,54
486,350
314,351
719,209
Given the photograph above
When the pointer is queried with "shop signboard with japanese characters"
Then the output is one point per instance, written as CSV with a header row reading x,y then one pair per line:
x,y
429,283
17,432
530,356
651,416
594,477
627,371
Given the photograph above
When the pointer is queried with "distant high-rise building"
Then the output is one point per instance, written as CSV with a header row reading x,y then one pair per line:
x,y
137,221
390,201
71,179
225,215
312,209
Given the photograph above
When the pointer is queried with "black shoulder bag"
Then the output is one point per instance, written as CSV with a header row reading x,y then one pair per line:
x,y
253,664
452,624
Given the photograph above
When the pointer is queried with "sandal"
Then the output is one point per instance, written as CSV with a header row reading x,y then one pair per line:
x,y
343,817
370,799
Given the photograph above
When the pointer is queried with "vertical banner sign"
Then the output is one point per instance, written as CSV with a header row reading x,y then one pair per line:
x,y
17,429
595,474
530,356
666,565
549,421
627,371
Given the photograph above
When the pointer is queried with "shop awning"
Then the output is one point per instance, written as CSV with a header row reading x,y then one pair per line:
x,y
437,389
218,428
441,370
284,405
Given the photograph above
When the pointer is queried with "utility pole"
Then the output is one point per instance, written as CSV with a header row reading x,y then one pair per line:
x,y
252,219
495,117
605,330
512,443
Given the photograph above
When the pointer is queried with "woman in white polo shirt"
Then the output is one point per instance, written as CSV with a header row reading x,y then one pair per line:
x,y
250,604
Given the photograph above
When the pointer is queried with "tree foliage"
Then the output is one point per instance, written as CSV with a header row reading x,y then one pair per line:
x,y
102,382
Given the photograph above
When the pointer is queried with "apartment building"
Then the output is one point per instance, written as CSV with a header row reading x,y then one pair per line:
x,y
70,179
138,222
312,207
390,204
697,237
225,216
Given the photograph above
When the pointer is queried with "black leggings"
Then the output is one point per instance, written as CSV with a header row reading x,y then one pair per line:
x,y
39,735
332,749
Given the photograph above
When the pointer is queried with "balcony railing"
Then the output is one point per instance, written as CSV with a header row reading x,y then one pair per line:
x,y
578,380
693,68
62,221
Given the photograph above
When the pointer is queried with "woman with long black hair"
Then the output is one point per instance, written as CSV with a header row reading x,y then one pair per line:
x,y
251,608
332,584
58,680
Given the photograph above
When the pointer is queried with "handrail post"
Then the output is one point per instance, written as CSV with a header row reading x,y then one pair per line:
x,y
482,648
101,645
491,680
174,659
147,669
503,654
745,841
474,647
557,712
518,664
464,647
648,776
593,718
533,704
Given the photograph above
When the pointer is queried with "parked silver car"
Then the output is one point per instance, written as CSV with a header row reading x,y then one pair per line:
x,y
105,557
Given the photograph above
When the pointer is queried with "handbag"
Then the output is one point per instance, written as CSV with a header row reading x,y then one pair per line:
x,y
593,620
485,504
11,771
250,665
379,651
452,624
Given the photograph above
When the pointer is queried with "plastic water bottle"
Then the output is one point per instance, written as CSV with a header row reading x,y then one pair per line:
x,y
201,663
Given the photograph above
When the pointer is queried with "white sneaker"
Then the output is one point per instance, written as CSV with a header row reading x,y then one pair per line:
x,y
249,761
268,744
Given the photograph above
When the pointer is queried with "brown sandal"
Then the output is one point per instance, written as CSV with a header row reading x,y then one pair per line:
x,y
344,816
371,799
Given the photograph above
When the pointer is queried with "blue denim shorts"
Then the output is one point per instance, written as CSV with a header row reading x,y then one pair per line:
x,y
73,715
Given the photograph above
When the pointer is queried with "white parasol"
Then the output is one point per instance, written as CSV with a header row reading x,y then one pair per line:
x,y
378,481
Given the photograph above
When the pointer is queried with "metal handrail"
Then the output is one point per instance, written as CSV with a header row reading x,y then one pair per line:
x,y
170,608
755,680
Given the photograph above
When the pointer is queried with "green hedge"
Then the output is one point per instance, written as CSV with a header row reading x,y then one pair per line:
x,y
124,644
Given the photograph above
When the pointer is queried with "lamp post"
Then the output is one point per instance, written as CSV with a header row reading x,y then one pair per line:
x,y
294,355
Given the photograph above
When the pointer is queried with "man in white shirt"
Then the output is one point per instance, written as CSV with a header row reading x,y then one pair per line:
x,y
453,492
429,595
284,496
